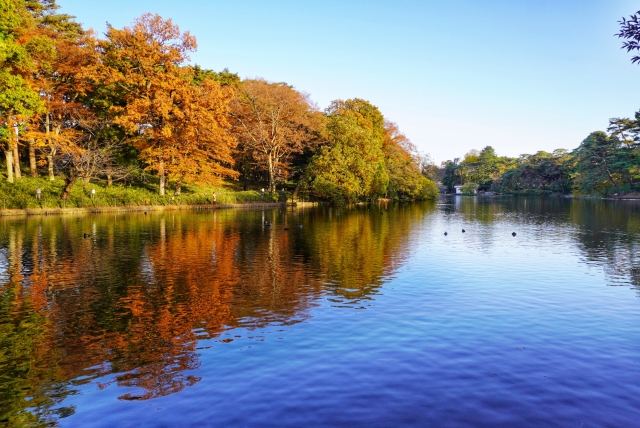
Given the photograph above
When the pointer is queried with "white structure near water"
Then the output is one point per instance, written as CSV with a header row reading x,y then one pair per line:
x,y
459,189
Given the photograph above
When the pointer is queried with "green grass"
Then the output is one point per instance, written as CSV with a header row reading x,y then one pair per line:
x,y
22,194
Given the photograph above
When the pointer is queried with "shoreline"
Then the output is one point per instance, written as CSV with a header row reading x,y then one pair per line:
x,y
602,198
27,212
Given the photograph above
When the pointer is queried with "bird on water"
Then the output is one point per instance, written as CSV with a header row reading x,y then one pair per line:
x,y
463,231
513,234
86,235
445,234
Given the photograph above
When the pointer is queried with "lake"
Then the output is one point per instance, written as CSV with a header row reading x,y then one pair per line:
x,y
361,316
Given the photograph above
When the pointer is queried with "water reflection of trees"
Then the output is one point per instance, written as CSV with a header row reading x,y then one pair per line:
x,y
607,232
134,299
608,236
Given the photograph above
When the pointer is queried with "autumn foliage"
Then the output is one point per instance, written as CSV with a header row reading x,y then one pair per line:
x,y
129,106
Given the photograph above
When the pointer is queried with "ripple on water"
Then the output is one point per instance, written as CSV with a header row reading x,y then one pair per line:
x,y
357,319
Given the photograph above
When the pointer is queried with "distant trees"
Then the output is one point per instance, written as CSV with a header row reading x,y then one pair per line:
x,y
603,161
603,164
541,171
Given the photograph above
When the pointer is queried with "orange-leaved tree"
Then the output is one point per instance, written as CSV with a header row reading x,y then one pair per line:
x,y
272,121
178,126
203,148
63,87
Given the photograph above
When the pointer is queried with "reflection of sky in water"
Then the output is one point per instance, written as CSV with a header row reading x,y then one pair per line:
x,y
355,319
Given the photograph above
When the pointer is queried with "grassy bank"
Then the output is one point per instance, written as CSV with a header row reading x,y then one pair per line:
x,y
22,195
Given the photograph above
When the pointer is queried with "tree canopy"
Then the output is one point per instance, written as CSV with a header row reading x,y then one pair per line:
x,y
130,106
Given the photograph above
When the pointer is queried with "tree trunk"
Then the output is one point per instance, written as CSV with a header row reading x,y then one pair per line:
x,y
47,128
109,174
272,181
50,166
16,157
606,167
85,183
296,190
9,156
69,181
178,188
33,166
162,177
613,181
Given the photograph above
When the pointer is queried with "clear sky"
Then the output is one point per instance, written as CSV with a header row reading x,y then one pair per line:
x,y
455,75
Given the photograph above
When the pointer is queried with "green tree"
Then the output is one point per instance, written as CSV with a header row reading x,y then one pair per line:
x,y
541,171
450,174
224,78
351,165
487,168
18,99
598,163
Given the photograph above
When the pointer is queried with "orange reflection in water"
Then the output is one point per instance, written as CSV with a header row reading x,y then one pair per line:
x,y
135,298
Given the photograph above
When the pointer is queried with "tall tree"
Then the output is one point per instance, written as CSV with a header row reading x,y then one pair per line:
x,y
450,174
487,168
18,99
597,162
205,154
272,122
352,164
143,65
60,58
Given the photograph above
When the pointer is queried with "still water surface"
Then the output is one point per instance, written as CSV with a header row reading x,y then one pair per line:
x,y
353,319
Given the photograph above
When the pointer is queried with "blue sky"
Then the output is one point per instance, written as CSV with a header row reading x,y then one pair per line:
x,y
455,75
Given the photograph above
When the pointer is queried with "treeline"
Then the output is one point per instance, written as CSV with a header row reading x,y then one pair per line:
x,y
605,163
128,107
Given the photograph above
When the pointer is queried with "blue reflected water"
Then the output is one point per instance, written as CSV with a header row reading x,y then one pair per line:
x,y
363,316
